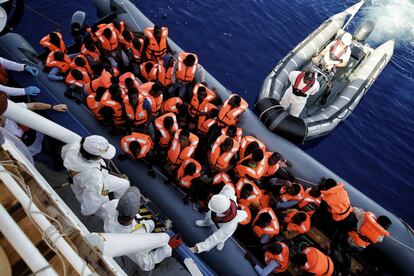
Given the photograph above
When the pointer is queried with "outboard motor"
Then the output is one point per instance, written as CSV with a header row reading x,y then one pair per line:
x,y
78,26
364,31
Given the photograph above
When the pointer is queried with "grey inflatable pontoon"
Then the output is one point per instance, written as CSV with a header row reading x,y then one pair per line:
x,y
349,84
230,261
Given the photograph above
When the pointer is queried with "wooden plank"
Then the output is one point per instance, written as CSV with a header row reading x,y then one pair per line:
x,y
7,199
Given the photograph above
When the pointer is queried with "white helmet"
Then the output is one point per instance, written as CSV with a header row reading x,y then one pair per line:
x,y
346,39
219,204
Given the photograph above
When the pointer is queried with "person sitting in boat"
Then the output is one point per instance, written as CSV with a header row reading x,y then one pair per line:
x,y
113,107
162,71
276,258
185,74
233,132
248,193
59,65
295,222
290,195
265,225
252,166
313,261
222,154
155,98
134,54
275,161
90,51
182,147
335,54
188,171
94,103
165,128
231,110
108,40
207,121
76,79
303,84
104,80
223,213
121,216
156,44
53,42
6,64
92,183
311,201
138,112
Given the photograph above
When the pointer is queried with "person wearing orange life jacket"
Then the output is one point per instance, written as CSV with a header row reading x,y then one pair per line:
x,y
182,147
275,161
125,39
107,38
128,80
59,64
138,110
188,170
156,44
80,62
93,101
248,193
197,103
231,110
369,229
290,195
163,73
166,126
312,260
90,51
276,258
249,144
76,79
311,201
200,87
222,153
303,84
296,222
233,132
207,122
5,65
146,71
220,180
112,107
170,105
337,200
266,225
104,80
155,98
252,166
53,42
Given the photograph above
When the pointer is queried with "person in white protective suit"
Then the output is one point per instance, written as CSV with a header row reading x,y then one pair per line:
x,y
6,64
121,216
336,53
92,182
303,84
223,216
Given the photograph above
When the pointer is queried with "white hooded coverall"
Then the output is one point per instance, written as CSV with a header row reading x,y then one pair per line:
x,y
224,230
91,183
147,259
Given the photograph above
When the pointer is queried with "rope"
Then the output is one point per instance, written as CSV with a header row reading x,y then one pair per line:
x,y
401,243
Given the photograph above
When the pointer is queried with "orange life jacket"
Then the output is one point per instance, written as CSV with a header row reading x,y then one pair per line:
x,y
125,76
138,114
107,44
270,169
284,196
144,141
247,171
338,202
64,65
137,53
239,133
104,80
185,181
204,124
254,196
302,228
94,55
45,42
282,258
272,229
118,116
4,77
228,115
220,161
184,73
87,67
156,50
70,80
151,75
307,200
246,141
161,74
126,43
223,177
155,103
317,262
210,94
170,105
368,232
145,88
165,138
195,107
245,208
176,154
94,106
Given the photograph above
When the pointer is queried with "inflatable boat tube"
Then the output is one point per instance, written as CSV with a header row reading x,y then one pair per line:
x,y
230,261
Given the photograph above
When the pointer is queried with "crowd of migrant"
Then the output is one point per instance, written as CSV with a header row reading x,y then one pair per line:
x,y
158,99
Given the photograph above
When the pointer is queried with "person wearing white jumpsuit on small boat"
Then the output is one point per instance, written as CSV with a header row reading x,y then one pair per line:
x,y
121,216
336,53
223,217
297,103
91,180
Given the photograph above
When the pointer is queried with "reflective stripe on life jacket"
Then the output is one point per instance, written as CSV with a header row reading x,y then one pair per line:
x,y
94,106
144,141
137,114
272,229
317,262
163,75
184,73
64,65
253,197
45,42
302,228
165,138
170,105
176,154
228,115
220,161
282,258
156,49
185,180
338,202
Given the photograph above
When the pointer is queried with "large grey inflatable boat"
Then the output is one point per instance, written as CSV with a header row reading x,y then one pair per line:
x,y
396,253
349,84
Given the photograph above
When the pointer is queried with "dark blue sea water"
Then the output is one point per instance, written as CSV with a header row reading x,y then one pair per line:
x,y
239,42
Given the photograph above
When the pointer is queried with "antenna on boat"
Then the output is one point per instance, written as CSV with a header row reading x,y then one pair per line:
x,y
352,11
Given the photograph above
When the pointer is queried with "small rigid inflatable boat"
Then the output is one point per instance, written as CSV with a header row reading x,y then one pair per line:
x,y
230,261
348,86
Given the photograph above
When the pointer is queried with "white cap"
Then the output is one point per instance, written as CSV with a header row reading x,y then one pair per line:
x,y
99,146
346,39
219,204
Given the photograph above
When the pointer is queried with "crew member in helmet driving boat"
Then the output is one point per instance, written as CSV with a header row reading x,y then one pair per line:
x,y
303,84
